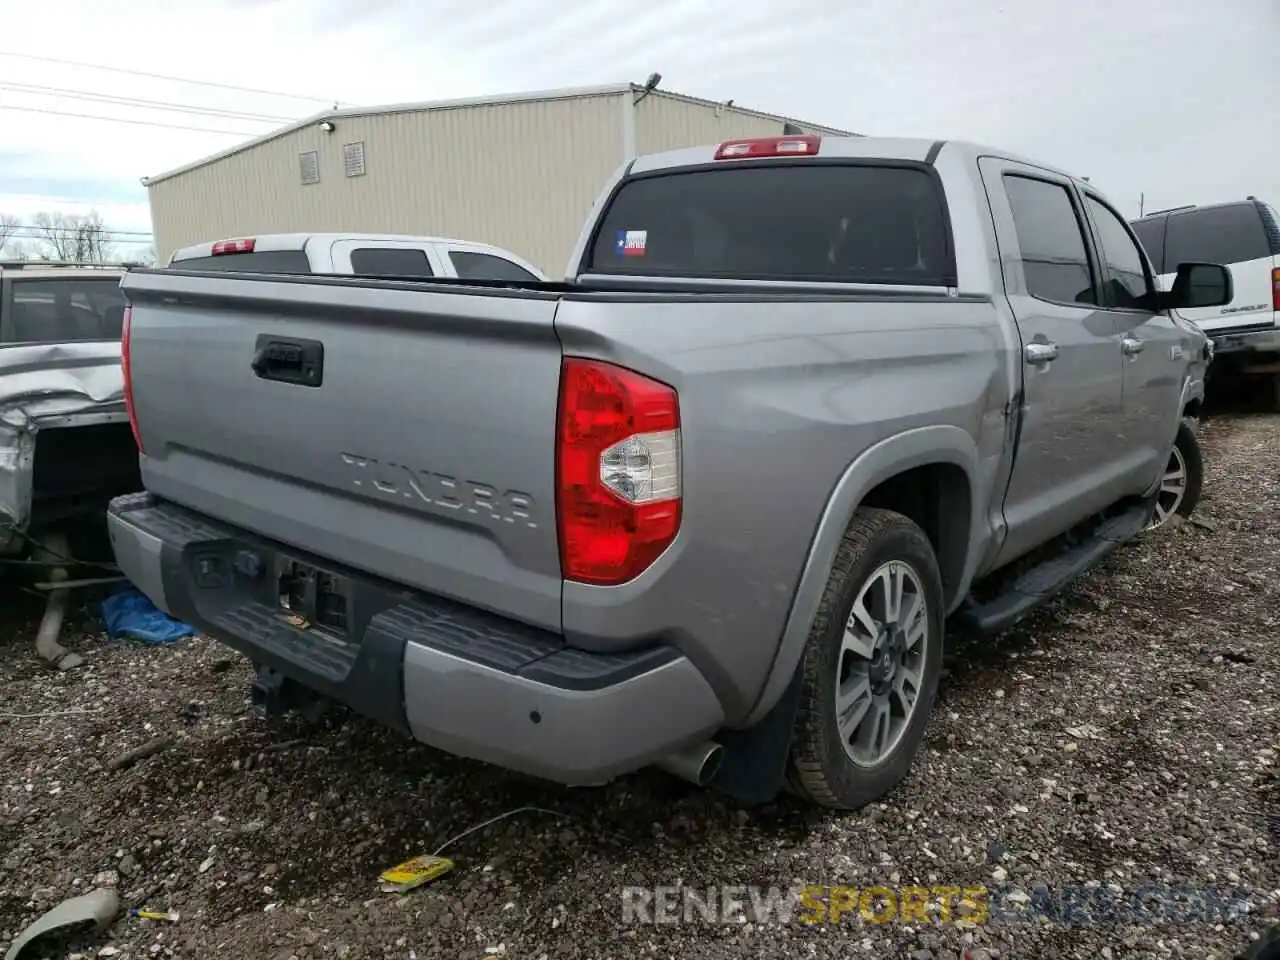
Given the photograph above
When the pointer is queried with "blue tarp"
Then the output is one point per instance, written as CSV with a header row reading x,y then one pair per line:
x,y
131,616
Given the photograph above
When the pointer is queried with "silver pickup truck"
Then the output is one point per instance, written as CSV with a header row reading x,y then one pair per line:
x,y
709,503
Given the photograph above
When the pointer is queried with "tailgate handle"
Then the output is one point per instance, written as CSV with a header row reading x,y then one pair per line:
x,y
299,362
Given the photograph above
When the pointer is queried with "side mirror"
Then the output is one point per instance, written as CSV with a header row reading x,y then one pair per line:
x,y
1198,285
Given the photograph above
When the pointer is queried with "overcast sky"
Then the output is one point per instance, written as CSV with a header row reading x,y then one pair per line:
x,y
1174,98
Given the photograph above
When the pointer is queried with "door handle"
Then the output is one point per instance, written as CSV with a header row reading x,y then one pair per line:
x,y
299,362
1039,352
1131,346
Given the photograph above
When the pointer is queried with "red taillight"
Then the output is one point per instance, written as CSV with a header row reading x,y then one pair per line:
x,y
243,245
617,471
126,331
801,145
1275,289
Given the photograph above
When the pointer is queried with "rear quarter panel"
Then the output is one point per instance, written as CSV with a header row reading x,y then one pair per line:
x,y
778,400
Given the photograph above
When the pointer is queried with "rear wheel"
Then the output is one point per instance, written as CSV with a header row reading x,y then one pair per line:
x,y
870,667
1182,481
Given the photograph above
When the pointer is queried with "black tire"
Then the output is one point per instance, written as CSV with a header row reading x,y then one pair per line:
x,y
820,769
1187,447
1267,947
1189,444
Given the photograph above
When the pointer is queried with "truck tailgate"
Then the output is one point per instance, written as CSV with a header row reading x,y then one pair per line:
x,y
407,429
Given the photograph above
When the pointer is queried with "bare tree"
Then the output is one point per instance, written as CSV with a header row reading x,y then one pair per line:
x,y
54,236
144,257
72,238
8,227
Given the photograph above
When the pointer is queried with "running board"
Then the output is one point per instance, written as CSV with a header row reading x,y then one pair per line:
x,y
1039,584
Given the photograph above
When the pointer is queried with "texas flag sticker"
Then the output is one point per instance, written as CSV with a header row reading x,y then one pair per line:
x,y
631,243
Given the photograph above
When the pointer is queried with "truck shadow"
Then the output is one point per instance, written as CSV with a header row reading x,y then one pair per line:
x,y
309,811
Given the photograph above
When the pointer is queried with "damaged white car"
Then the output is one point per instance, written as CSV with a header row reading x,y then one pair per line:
x,y
65,443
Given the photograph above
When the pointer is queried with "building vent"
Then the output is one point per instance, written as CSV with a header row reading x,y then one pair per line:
x,y
309,164
353,159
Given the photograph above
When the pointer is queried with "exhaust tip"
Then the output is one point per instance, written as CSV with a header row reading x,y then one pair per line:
x,y
710,765
697,764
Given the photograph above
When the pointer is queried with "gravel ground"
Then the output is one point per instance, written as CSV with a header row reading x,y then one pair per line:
x,y
1125,737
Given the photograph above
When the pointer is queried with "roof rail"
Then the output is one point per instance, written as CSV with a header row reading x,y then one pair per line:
x,y
19,264
1156,213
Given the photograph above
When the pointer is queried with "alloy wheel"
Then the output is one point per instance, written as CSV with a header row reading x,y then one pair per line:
x,y
1173,487
882,663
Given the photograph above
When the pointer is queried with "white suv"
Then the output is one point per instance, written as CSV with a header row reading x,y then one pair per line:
x,y
1245,237
367,254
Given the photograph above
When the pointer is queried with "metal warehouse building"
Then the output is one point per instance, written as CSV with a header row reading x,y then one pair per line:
x,y
521,171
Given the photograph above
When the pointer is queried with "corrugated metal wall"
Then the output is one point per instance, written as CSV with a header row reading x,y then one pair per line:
x,y
670,123
519,175
522,175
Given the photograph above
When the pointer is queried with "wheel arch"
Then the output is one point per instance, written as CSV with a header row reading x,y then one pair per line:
x,y
902,471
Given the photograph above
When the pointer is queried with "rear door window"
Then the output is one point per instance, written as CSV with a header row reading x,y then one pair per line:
x,y
64,310
1055,257
797,222
260,261
485,266
1228,234
390,262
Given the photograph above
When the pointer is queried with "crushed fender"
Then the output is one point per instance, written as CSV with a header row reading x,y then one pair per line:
x,y
50,386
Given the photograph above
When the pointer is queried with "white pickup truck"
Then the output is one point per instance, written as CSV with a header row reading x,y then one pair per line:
x,y
366,254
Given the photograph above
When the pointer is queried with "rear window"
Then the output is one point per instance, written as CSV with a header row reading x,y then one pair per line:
x,y
1151,235
1232,234
1271,223
485,266
390,262
63,310
790,222
260,261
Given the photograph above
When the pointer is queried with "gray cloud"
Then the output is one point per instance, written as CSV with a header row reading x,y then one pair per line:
x,y
23,173
1174,98
1171,98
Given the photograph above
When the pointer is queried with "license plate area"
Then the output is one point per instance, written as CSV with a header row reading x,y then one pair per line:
x,y
313,599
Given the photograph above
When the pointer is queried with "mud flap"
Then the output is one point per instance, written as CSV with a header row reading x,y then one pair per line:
x,y
753,766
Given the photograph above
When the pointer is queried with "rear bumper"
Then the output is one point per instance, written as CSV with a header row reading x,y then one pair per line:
x,y
453,676
1256,340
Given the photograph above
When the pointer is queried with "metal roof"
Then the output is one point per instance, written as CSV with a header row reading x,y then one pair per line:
x,y
1197,206
569,93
